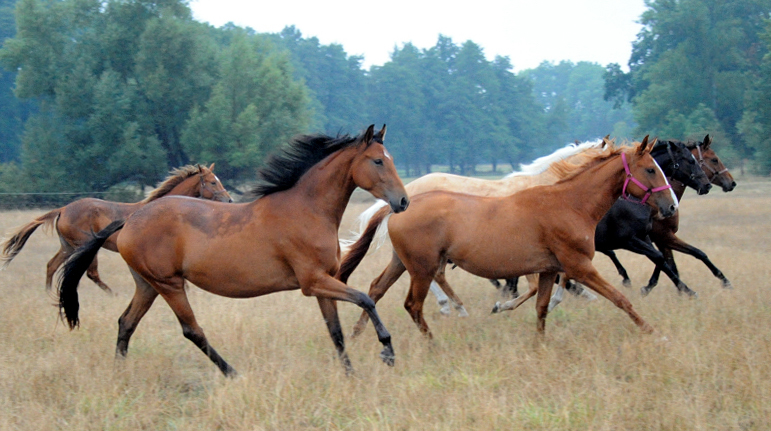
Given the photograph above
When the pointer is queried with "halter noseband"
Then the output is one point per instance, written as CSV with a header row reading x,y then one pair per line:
x,y
703,164
629,177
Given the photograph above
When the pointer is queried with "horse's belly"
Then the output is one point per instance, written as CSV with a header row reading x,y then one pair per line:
x,y
242,281
502,263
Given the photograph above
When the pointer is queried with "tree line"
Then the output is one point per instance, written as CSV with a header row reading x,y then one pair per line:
x,y
97,93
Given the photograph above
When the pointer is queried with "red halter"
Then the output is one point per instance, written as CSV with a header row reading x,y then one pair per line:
x,y
648,191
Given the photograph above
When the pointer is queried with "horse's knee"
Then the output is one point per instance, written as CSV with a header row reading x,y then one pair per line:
x,y
193,335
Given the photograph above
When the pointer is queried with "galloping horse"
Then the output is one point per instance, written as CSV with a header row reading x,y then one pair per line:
x,y
549,229
286,239
663,232
75,222
536,173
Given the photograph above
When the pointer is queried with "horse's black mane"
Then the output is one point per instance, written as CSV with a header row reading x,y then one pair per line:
x,y
284,168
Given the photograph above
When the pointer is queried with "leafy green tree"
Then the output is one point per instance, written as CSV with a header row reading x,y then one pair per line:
x,y
573,94
13,112
255,107
692,56
336,81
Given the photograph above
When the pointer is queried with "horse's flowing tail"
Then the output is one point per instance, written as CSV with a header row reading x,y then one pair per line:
x,y
73,270
358,250
13,245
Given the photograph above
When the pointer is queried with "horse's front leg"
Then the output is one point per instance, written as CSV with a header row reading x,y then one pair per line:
x,y
329,311
322,285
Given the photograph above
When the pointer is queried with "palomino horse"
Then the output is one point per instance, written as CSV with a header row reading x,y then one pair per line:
x,y
536,173
76,222
663,233
549,229
285,240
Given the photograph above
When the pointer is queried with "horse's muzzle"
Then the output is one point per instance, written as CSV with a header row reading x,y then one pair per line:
x,y
401,205
703,190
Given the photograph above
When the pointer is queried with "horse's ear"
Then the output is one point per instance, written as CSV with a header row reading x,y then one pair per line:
x,y
381,133
200,169
707,142
211,168
643,146
369,134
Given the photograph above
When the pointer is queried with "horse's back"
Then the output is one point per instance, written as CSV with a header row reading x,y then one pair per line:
x,y
79,218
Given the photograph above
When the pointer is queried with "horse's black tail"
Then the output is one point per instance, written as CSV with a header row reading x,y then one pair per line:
x,y
73,270
357,251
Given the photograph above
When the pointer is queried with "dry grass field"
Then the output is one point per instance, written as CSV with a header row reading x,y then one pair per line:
x,y
707,366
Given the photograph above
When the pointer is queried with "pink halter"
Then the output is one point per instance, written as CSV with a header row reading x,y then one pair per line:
x,y
629,177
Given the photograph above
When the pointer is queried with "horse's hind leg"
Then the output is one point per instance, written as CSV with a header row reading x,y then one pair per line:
x,y
414,302
53,265
93,274
140,303
175,296
379,287
329,311
677,244
441,279
545,285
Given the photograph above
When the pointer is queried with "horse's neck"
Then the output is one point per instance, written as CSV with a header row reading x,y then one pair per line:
x,y
327,187
188,187
594,190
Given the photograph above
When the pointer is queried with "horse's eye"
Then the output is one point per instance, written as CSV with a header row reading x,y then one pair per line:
x,y
378,162
714,160
651,171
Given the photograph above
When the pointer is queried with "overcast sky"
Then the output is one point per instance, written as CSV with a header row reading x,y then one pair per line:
x,y
528,32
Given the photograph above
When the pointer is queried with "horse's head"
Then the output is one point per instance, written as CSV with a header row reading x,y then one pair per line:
x,y
712,166
679,164
210,187
646,181
374,171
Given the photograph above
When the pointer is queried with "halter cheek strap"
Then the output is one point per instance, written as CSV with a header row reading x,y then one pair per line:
x,y
629,177
703,164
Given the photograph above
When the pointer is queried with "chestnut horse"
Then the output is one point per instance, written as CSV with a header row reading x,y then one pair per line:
x,y
285,240
536,173
549,229
76,222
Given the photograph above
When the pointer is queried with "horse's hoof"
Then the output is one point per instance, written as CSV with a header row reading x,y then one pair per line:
x,y
445,310
462,312
387,355
645,290
627,282
727,284
497,307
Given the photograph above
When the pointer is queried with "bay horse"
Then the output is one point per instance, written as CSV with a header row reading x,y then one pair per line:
x,y
286,239
548,229
76,221
663,232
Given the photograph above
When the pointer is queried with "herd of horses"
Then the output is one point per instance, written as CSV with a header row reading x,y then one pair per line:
x,y
544,222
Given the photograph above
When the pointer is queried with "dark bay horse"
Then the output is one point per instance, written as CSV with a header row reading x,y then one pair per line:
x,y
549,229
286,239
76,222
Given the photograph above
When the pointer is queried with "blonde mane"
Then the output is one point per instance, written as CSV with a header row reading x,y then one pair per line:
x,y
567,169
176,176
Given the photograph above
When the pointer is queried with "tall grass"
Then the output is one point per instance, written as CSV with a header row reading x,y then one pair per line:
x,y
707,366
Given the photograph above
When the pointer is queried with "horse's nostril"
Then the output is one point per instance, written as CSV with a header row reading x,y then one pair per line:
x,y
404,203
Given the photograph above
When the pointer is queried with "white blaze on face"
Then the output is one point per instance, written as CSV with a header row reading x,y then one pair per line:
x,y
217,178
388,156
671,192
